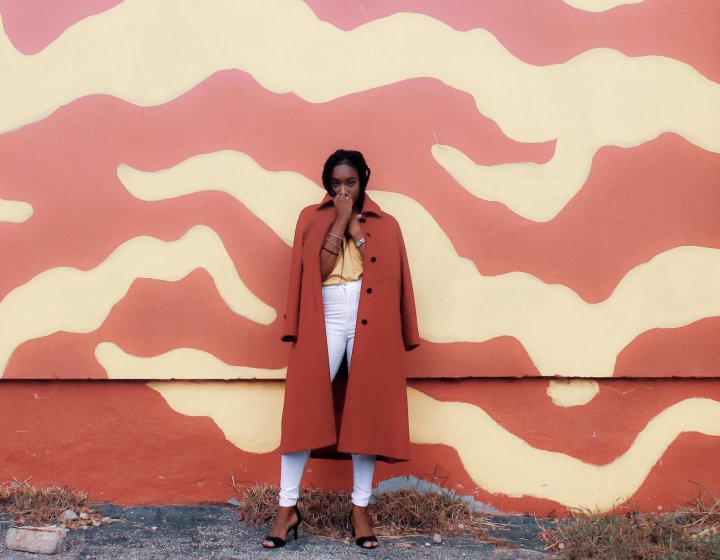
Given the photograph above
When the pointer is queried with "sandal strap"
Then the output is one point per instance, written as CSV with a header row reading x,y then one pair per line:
x,y
277,541
362,540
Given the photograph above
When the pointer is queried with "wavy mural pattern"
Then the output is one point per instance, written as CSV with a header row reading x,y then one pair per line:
x,y
248,415
514,468
606,210
74,300
522,470
562,334
576,106
553,168
553,32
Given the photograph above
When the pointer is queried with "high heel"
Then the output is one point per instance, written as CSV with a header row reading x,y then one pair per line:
x,y
277,541
360,541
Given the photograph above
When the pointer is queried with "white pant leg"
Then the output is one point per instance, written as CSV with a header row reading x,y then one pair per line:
x,y
292,467
350,327
363,465
340,305
335,305
363,471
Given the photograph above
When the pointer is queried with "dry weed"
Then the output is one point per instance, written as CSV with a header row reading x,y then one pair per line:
x,y
398,513
30,505
691,532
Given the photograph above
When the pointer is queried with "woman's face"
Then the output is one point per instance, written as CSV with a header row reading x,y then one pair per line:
x,y
344,180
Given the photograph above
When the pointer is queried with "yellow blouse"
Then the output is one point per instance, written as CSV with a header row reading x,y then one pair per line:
x,y
348,267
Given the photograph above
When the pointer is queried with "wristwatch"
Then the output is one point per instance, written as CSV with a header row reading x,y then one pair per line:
x,y
359,242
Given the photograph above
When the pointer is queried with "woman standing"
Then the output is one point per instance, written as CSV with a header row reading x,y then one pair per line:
x,y
350,294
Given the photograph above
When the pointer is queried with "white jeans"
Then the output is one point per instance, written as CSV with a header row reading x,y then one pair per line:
x,y
341,305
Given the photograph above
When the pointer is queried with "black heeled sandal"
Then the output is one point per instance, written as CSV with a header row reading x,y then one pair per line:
x,y
360,541
277,541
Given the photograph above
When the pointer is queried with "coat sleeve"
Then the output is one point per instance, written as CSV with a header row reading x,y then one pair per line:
x,y
292,308
411,338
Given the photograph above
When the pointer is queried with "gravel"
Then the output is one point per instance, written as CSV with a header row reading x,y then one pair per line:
x,y
214,532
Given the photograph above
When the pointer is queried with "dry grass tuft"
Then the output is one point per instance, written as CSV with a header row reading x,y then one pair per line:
x,y
399,513
689,533
30,505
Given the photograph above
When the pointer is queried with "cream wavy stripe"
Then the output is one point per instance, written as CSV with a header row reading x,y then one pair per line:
x,y
515,468
151,52
15,211
179,363
73,300
249,415
599,98
599,5
234,173
563,334
572,392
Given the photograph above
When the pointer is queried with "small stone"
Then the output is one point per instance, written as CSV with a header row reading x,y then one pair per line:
x,y
106,520
84,515
70,515
427,544
40,540
461,526
96,523
234,502
437,539
561,546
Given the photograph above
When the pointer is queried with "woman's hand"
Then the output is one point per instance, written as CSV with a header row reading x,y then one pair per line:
x,y
356,232
353,227
343,207
333,244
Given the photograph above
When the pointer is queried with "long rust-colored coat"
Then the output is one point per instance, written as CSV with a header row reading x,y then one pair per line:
x,y
374,418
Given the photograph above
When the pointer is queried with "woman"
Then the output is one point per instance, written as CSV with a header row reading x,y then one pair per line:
x,y
349,281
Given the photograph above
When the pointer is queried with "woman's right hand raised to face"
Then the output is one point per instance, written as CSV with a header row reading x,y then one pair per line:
x,y
343,207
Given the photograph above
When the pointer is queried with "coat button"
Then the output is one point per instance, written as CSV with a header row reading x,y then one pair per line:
x,y
364,321
369,290
372,259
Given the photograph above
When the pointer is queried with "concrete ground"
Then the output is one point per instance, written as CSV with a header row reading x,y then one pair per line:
x,y
214,532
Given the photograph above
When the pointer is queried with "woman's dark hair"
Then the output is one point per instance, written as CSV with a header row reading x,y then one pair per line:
x,y
355,160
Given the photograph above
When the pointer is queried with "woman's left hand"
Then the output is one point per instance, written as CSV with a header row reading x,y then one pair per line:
x,y
354,228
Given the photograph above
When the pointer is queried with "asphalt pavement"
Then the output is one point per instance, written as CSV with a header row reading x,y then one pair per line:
x,y
215,532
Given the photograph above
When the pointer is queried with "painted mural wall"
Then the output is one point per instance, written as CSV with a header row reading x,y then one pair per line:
x,y
554,168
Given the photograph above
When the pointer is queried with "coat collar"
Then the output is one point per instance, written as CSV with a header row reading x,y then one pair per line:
x,y
369,205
